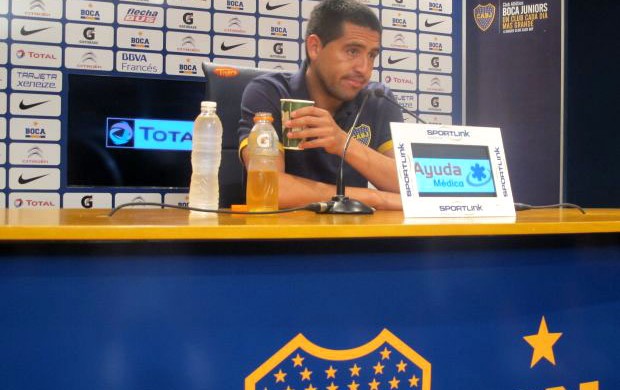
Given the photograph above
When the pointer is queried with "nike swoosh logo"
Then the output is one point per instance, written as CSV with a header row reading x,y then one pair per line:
x,y
392,62
21,179
25,32
272,7
226,48
23,106
427,24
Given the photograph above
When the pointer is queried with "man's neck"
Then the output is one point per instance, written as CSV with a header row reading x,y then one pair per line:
x,y
318,93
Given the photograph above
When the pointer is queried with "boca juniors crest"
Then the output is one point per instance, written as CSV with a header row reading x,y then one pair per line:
x,y
384,362
363,134
484,15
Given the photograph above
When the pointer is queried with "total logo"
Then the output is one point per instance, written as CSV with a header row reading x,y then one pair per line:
x,y
35,55
152,134
121,133
22,200
33,203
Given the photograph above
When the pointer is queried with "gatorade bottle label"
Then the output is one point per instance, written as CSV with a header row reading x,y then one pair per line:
x,y
264,141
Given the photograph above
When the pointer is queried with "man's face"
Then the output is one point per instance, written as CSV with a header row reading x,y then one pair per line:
x,y
343,66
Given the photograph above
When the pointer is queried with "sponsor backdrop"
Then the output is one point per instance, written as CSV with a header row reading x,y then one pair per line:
x,y
42,42
514,52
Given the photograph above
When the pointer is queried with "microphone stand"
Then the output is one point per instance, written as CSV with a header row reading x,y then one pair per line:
x,y
340,203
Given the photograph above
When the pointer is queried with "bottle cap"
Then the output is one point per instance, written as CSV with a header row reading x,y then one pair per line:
x,y
263,116
207,104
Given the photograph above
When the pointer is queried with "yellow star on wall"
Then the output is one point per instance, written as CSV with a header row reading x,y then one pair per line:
x,y
413,381
374,385
297,361
331,372
305,374
280,376
289,388
310,387
402,366
353,386
355,370
394,383
332,387
378,368
542,343
385,354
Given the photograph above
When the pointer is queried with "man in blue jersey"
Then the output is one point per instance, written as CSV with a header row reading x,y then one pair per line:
x,y
342,42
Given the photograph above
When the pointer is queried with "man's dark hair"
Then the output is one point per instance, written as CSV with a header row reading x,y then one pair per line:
x,y
328,17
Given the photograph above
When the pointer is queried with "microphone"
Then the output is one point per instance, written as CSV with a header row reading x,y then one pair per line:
x,y
380,93
341,204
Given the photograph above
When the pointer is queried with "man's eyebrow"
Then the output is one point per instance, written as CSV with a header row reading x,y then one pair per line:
x,y
362,45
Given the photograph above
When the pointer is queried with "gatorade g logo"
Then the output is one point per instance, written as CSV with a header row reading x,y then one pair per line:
x,y
278,48
435,102
188,18
263,141
89,33
87,201
435,62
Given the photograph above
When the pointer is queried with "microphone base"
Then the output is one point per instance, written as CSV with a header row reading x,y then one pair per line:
x,y
341,204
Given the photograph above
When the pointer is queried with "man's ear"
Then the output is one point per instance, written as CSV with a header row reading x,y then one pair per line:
x,y
313,46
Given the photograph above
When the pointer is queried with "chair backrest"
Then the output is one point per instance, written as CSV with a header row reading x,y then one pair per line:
x,y
225,85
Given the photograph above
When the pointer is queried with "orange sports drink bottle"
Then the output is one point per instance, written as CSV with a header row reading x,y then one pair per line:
x,y
262,186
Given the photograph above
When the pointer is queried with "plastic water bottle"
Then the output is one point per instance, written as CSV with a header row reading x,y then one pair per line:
x,y
204,189
262,189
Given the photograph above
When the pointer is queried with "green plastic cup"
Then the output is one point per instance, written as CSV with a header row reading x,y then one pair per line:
x,y
288,106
